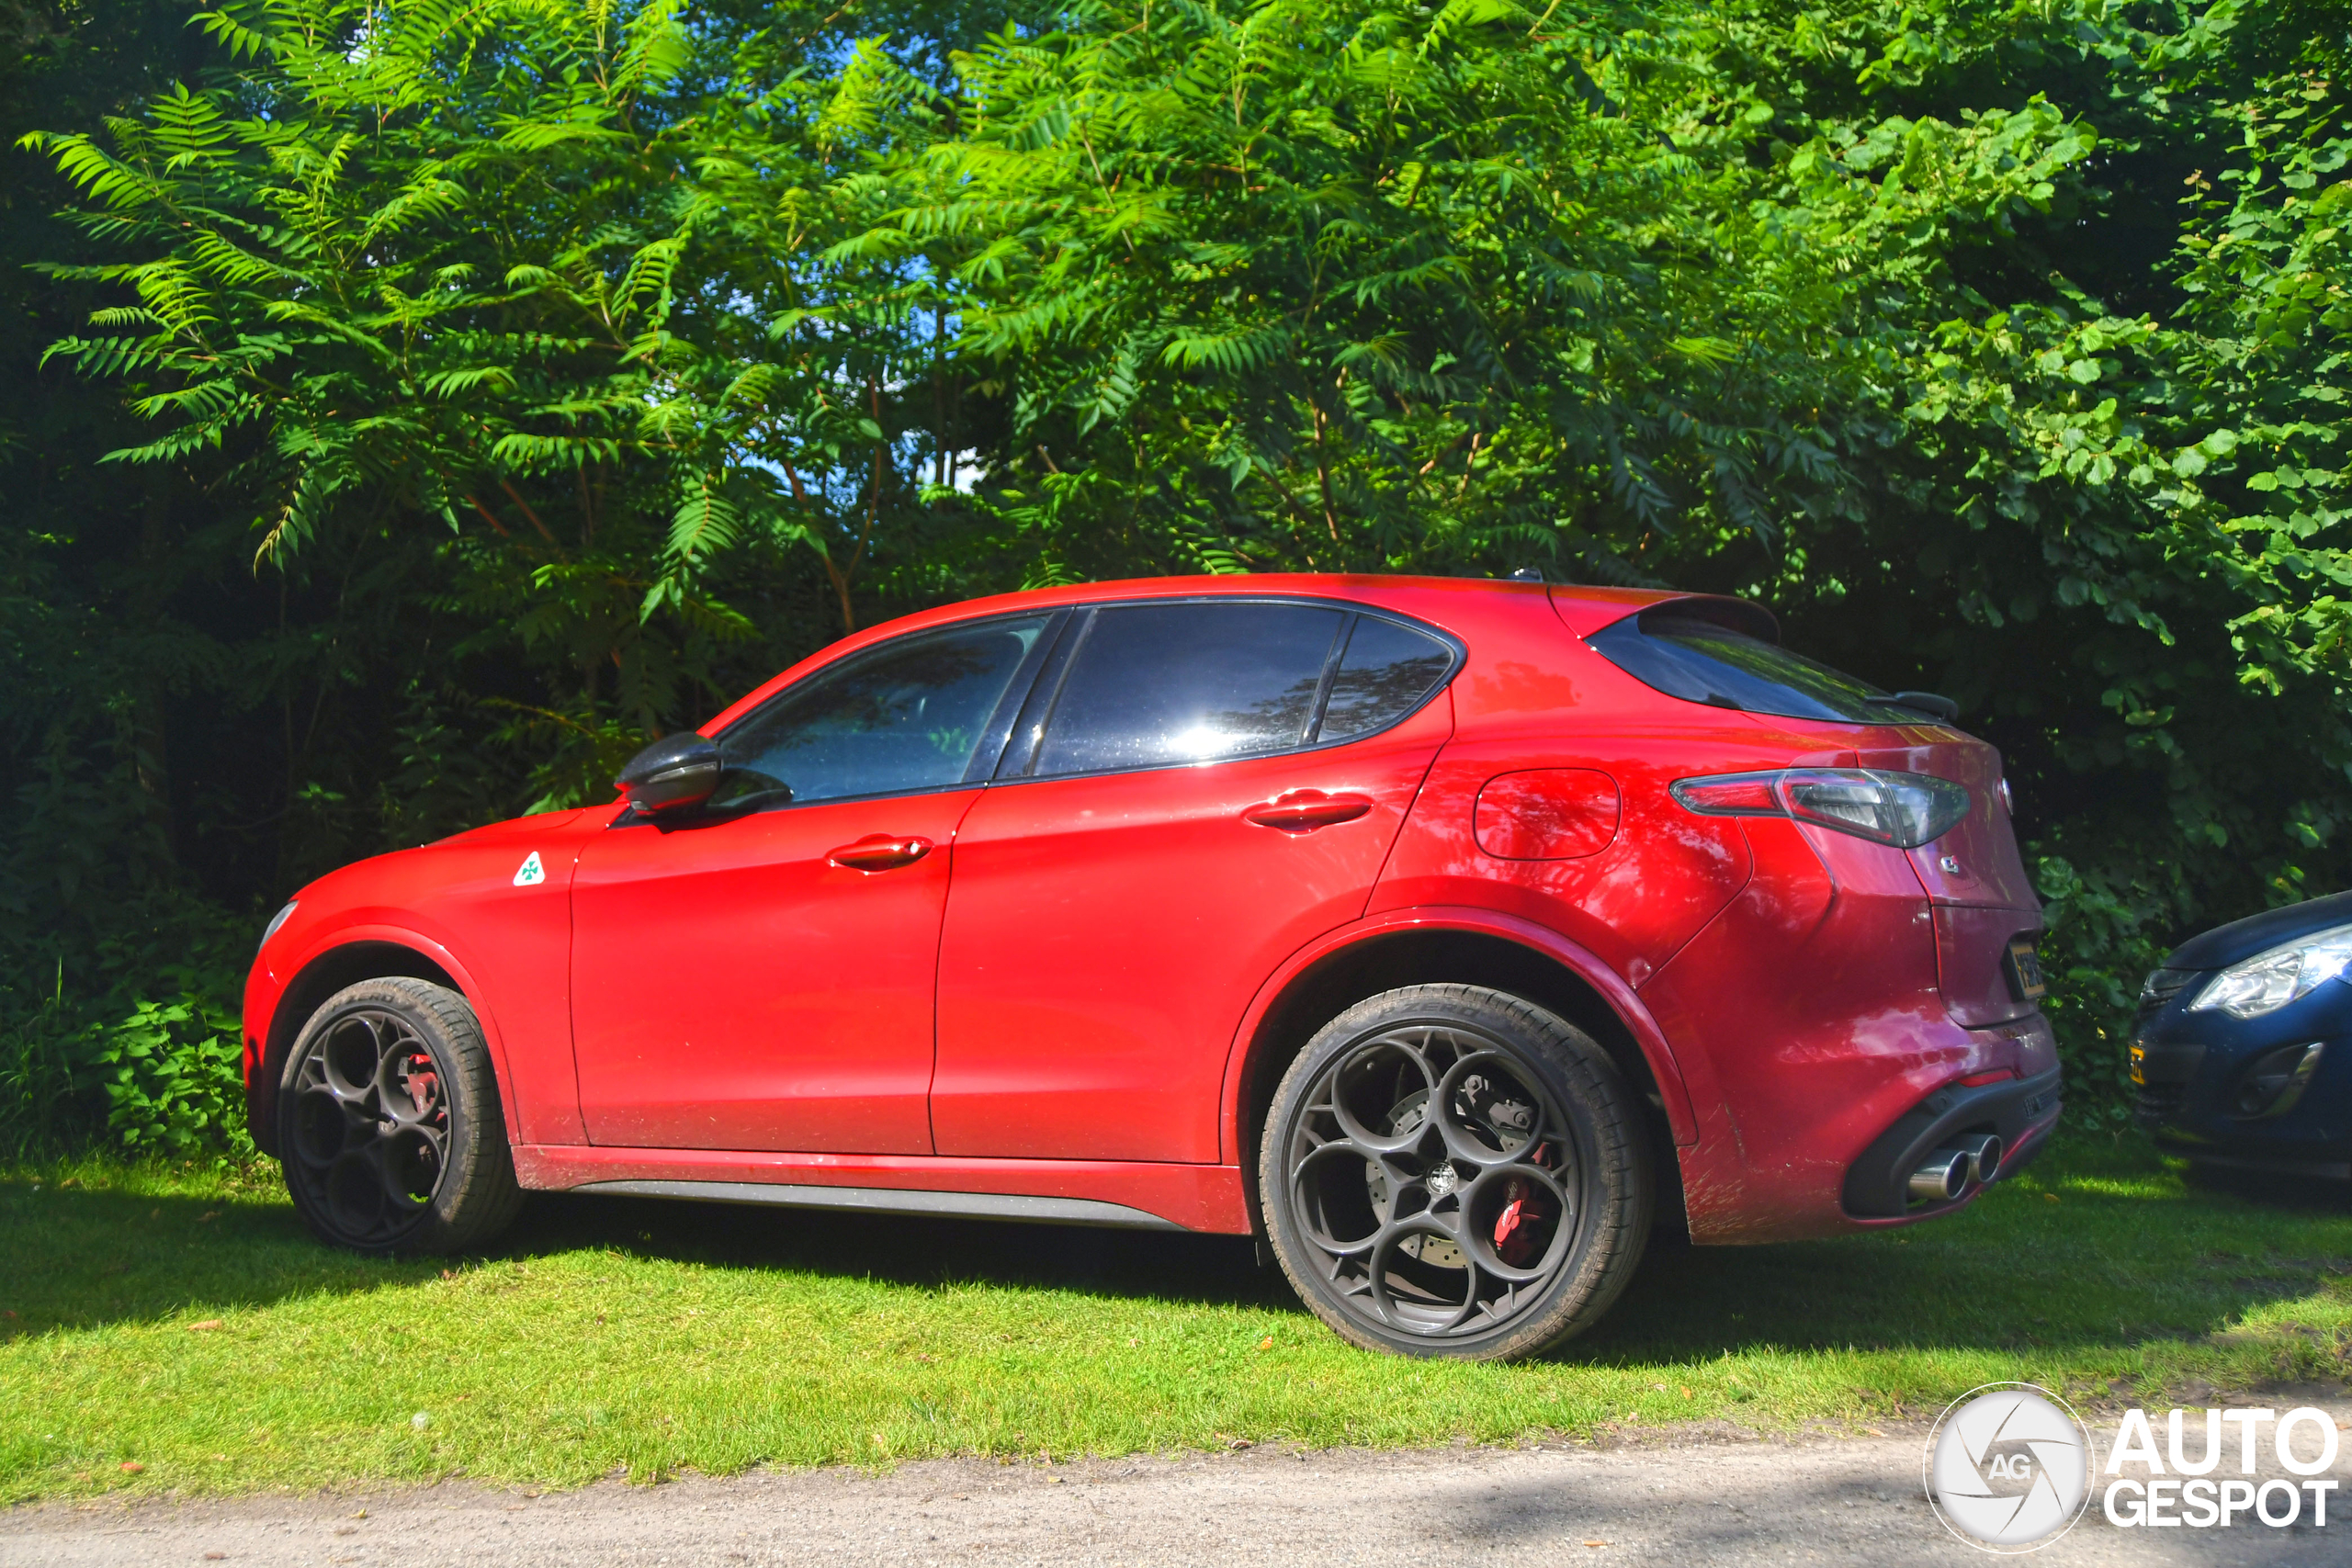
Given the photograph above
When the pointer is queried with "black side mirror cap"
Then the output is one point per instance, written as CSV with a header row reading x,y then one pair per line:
x,y
676,773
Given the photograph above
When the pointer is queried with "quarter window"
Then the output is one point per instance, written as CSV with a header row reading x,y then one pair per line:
x,y
908,715
1384,673
1159,685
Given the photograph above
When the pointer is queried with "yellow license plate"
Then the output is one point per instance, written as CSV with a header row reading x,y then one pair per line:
x,y
2140,1065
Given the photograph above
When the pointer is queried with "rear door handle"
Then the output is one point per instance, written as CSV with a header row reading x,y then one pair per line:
x,y
1304,810
880,852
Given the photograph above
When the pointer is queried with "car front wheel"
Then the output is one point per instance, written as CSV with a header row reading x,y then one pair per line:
x,y
1454,1171
389,1123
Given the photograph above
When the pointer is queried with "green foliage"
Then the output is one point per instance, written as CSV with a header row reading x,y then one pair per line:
x,y
169,1071
483,388
147,1064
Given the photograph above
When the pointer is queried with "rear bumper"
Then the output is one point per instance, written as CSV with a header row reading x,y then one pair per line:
x,y
2021,1112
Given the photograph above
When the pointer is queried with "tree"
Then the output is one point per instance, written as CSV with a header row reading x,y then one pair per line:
x,y
576,366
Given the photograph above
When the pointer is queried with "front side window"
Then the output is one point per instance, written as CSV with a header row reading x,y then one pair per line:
x,y
908,715
1700,661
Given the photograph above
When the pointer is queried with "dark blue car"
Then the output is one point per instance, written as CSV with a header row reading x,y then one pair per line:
x,y
2243,1048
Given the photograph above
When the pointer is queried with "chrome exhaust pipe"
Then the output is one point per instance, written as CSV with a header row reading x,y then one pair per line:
x,y
1944,1177
1984,1153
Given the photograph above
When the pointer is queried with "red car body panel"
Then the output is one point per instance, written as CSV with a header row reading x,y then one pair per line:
x,y
1102,931
455,905
1063,998
1585,964
809,1021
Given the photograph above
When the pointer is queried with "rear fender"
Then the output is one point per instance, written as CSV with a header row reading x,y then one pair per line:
x,y
1672,1073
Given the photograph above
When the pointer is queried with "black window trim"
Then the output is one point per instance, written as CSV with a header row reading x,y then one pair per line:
x,y
991,744
1030,706
1038,713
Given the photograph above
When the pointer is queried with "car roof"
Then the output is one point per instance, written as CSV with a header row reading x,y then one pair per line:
x,y
1584,609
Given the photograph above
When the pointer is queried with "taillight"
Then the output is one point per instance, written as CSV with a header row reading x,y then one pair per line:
x,y
1902,809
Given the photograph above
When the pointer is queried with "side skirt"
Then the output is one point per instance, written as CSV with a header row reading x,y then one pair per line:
x,y
1131,1193
886,1200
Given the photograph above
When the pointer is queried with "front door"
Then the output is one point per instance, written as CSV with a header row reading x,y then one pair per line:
x,y
1206,786
761,975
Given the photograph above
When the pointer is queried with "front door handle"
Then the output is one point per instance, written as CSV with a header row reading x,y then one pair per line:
x,y
1304,810
880,852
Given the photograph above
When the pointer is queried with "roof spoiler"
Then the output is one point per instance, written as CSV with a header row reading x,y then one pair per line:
x,y
1742,616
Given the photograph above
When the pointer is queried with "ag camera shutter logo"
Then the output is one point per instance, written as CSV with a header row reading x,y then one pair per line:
x,y
2008,1467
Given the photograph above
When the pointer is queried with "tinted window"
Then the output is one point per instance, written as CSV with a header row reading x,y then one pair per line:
x,y
1154,685
909,715
1702,662
1386,673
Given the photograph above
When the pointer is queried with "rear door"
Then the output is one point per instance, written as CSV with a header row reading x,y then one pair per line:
x,y
1198,788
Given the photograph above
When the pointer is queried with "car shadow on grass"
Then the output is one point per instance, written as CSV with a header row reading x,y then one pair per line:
x,y
2115,1259
82,1256
907,1250
2127,1257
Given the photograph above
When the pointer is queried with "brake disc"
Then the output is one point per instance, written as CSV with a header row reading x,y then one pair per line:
x,y
1435,1251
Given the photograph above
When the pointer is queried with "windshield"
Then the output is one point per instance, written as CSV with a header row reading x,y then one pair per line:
x,y
1703,662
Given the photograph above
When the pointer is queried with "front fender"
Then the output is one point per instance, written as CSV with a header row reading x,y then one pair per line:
x,y
342,956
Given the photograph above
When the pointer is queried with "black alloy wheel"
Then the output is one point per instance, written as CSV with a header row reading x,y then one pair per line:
x,y
389,1123
1452,1172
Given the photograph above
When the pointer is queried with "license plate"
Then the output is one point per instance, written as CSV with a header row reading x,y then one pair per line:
x,y
2139,1063
2025,972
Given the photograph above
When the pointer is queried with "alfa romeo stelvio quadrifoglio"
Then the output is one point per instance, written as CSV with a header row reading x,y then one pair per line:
x,y
1446,935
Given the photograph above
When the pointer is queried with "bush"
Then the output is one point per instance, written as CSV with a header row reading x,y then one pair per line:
x,y
136,1045
171,1080
2102,940
161,1078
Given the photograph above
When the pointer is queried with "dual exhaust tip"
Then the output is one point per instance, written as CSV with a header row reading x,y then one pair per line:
x,y
1970,1162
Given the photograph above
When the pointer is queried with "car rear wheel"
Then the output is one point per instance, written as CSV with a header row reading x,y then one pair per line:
x,y
389,1123
1454,1171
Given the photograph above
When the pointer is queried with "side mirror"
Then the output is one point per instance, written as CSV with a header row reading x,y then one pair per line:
x,y
673,776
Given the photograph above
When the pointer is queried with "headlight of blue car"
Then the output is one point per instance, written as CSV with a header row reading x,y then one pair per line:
x,y
2268,981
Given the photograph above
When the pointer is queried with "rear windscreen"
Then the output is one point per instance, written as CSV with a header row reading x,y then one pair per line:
x,y
1702,662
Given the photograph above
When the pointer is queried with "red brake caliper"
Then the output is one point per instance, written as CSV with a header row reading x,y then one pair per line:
x,y
423,1083
1511,1244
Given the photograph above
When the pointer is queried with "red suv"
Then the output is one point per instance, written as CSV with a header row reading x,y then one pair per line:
x,y
1440,932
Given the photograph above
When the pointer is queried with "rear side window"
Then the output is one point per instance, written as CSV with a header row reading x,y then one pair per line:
x,y
1158,685
907,716
1702,662
1384,674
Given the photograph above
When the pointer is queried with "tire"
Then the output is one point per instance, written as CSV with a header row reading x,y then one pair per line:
x,y
388,1124
1539,1220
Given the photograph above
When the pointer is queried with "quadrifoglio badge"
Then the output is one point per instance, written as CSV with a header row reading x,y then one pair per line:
x,y
2010,1468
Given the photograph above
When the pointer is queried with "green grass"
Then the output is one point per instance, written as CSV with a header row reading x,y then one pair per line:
x,y
613,1333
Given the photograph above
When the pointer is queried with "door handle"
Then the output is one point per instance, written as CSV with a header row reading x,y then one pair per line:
x,y
1304,810
880,852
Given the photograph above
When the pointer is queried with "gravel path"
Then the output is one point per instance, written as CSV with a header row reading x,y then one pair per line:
x,y
1696,1496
